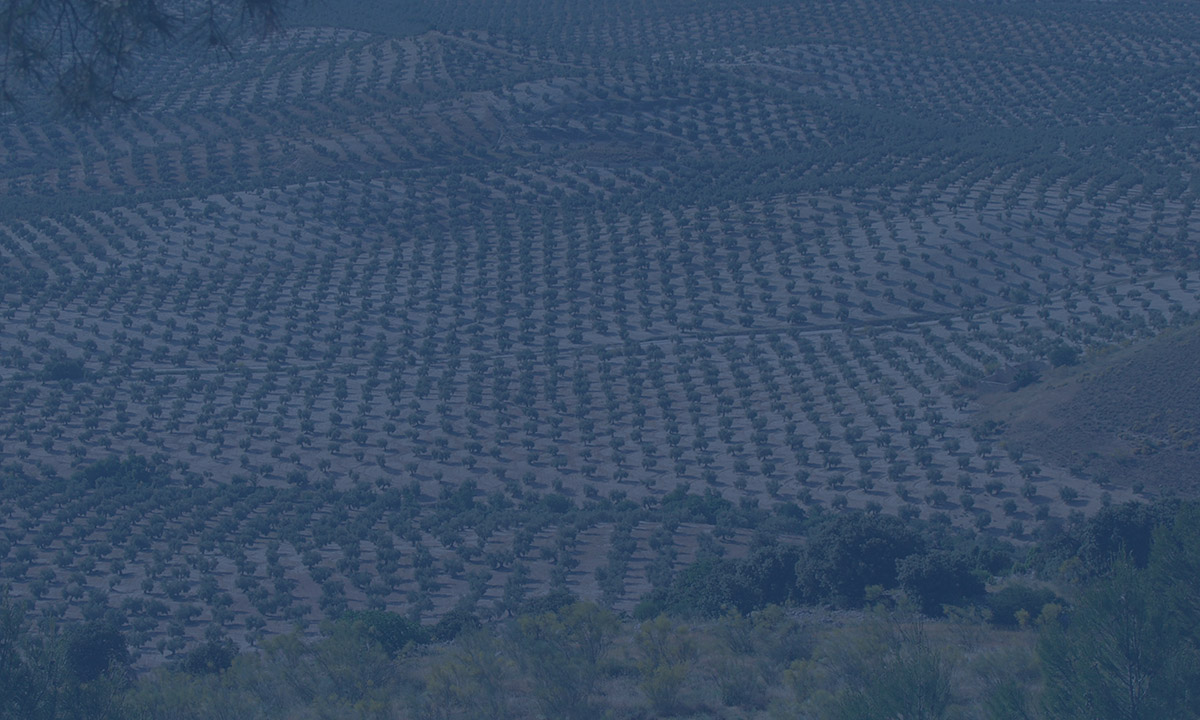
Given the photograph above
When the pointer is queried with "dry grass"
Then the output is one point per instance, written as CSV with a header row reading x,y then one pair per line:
x,y
1126,416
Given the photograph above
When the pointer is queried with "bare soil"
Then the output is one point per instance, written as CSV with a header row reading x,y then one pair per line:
x,y
1127,416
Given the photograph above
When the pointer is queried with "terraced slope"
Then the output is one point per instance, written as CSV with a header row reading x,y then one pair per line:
x,y
451,317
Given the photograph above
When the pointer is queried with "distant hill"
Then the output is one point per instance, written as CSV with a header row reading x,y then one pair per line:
x,y
1129,415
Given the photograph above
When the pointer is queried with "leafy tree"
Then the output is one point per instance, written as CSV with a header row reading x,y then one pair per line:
x,y
393,632
666,652
901,674
74,675
473,677
938,578
1012,603
212,656
94,648
1120,531
1175,563
64,369
1124,531
1062,354
561,652
129,472
458,621
20,689
1118,656
850,552
710,587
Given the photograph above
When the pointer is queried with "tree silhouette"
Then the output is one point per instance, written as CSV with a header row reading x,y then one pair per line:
x,y
80,49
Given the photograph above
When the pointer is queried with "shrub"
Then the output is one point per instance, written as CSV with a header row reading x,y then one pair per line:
x,y
1025,376
211,657
906,676
553,601
1063,354
64,369
393,632
458,621
95,648
938,578
666,652
561,653
1013,602
850,552
1122,529
710,587
113,471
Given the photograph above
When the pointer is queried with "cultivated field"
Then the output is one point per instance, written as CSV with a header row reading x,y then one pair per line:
x,y
414,320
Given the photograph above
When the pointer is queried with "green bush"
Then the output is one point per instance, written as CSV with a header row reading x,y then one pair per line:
x,y
94,648
1063,354
850,552
666,653
393,632
938,578
64,369
710,587
458,621
116,472
1012,602
210,657
561,652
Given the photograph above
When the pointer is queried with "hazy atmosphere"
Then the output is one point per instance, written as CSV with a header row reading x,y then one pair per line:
x,y
610,359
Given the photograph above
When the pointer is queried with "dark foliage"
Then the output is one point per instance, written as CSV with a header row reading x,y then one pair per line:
x,y
1119,530
64,369
939,578
551,602
1129,646
1175,565
704,589
1116,531
843,556
991,556
1063,354
710,588
212,656
393,632
556,503
94,648
1007,602
851,551
454,623
113,471
769,573
18,681
1025,377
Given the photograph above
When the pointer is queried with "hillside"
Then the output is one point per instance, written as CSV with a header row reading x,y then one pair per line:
x,y
1127,416
504,297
